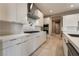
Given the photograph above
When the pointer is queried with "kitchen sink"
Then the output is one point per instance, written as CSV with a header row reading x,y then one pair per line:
x,y
74,35
31,31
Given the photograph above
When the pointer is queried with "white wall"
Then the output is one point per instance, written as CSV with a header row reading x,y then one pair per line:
x,y
71,20
49,21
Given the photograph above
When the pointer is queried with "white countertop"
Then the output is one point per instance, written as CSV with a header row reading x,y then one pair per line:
x,y
73,40
10,37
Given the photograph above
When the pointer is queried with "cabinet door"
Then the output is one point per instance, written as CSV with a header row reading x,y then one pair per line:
x,y
24,49
1,52
3,11
42,38
65,41
21,12
11,51
11,12
35,43
27,47
65,48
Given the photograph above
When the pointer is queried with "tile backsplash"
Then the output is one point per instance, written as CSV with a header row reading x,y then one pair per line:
x,y
10,28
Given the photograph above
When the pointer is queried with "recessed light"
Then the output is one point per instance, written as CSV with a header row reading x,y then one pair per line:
x,y
51,11
71,5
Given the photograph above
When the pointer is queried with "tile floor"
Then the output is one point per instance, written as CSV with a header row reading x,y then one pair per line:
x,y
52,47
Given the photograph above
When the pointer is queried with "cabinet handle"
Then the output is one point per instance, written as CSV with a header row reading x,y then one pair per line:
x,y
12,39
18,43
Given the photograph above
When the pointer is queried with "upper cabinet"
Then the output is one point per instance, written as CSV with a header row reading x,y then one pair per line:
x,y
3,11
21,12
13,12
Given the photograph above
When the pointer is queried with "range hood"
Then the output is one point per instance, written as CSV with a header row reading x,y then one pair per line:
x,y
31,15
31,11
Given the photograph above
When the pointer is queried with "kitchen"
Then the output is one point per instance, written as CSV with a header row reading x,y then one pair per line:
x,y
39,29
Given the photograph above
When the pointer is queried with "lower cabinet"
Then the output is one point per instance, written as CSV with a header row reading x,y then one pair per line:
x,y
25,47
12,51
65,48
65,45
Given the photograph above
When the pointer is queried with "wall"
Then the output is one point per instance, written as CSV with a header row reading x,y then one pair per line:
x,y
70,22
48,21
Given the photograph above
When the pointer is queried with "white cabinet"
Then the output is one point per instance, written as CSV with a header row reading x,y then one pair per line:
x,y
8,12
15,50
13,12
48,21
65,41
3,11
22,46
21,12
39,39
9,51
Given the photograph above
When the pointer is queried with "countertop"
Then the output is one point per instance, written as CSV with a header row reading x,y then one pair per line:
x,y
14,36
73,40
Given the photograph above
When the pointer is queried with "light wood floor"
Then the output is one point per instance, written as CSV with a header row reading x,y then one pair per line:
x,y
53,47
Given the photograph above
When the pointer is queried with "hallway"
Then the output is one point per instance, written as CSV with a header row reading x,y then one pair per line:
x,y
53,47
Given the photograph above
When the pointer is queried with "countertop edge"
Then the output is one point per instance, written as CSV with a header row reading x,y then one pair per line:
x,y
10,37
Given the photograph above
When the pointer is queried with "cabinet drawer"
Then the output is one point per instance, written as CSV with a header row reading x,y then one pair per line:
x,y
11,42
27,47
11,51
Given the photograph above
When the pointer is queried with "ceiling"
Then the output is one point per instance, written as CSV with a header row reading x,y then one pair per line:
x,y
49,9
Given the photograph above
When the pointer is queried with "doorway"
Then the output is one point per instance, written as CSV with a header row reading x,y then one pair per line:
x,y
56,24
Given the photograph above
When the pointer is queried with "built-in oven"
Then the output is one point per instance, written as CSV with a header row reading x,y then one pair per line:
x,y
71,50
